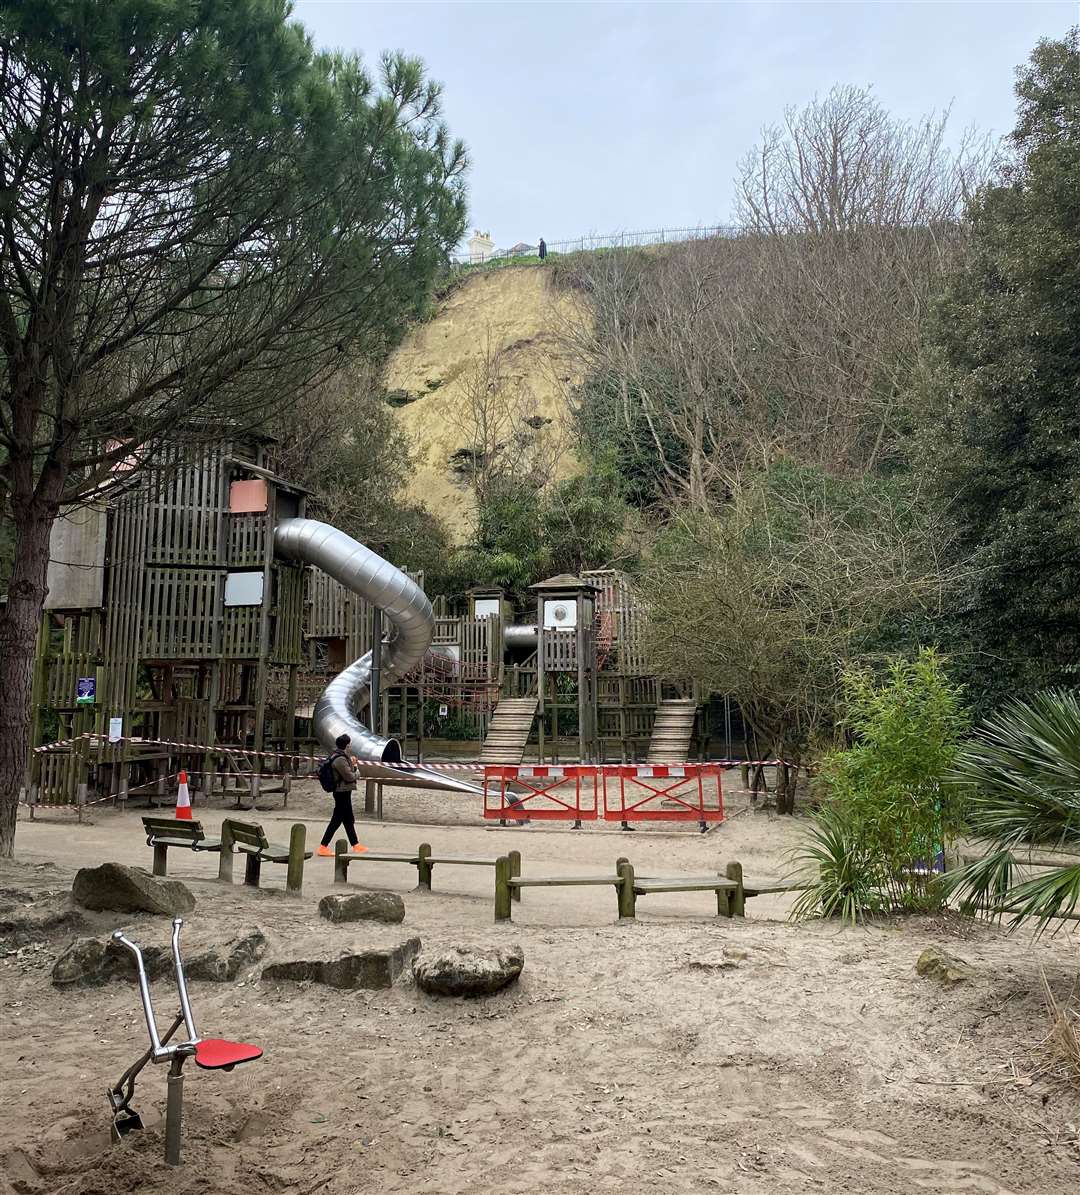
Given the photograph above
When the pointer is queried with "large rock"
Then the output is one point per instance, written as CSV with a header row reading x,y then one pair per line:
x,y
469,970
363,906
121,889
377,968
90,962
935,963
222,964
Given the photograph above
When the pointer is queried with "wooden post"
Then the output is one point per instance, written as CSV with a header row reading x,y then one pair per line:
x,y
225,859
736,898
286,788
723,903
252,869
626,893
423,867
161,852
369,798
515,870
294,878
341,862
502,888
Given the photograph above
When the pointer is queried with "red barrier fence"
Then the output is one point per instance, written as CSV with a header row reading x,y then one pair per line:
x,y
552,792
631,792
639,792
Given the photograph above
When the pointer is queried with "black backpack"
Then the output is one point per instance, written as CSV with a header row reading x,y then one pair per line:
x,y
327,775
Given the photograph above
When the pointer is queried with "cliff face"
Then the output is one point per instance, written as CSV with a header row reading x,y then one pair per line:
x,y
497,335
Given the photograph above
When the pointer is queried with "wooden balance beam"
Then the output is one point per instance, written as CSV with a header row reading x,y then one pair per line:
x,y
731,892
423,860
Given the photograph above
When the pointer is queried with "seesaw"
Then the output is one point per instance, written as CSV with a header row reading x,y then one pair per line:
x,y
210,1053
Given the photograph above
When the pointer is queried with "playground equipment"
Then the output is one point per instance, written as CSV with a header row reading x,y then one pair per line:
x,y
732,892
185,630
210,1053
367,575
423,860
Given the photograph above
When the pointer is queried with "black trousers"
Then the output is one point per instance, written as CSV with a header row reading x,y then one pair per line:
x,y
343,816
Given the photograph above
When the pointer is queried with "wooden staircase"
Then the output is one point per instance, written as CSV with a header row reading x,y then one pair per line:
x,y
508,733
673,731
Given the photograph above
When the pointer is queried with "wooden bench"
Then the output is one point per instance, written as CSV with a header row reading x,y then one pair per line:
x,y
248,839
423,860
164,832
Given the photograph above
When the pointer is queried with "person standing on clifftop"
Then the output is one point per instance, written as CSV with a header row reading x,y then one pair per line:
x,y
543,249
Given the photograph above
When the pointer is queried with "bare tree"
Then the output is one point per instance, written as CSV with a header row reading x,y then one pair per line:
x,y
768,599
800,336
500,427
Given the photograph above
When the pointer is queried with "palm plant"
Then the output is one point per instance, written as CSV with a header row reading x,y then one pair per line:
x,y
1020,776
839,876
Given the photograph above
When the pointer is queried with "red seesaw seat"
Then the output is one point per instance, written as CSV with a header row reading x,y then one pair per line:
x,y
217,1054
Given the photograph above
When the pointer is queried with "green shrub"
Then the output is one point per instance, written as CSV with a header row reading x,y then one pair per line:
x,y
1020,779
888,813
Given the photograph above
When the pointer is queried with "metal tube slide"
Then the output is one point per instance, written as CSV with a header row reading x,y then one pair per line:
x,y
520,637
405,604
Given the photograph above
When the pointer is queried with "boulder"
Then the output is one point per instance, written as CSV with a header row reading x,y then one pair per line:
x,y
222,964
469,970
83,964
935,963
363,906
112,886
377,968
90,962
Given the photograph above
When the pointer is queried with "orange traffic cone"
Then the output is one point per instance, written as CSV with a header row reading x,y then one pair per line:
x,y
183,799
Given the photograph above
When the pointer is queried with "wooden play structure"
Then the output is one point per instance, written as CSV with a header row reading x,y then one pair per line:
x,y
175,636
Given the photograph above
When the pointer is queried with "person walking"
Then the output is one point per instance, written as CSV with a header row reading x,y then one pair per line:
x,y
344,787
543,249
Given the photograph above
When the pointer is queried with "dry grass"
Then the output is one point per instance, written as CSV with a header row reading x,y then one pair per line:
x,y
1062,1044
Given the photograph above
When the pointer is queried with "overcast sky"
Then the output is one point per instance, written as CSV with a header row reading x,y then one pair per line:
x,y
597,118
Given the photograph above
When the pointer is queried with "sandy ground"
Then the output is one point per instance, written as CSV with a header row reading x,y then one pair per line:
x,y
680,1052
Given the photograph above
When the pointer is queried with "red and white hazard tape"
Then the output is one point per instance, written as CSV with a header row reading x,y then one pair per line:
x,y
658,771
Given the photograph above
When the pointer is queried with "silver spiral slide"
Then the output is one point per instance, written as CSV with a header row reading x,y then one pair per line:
x,y
405,604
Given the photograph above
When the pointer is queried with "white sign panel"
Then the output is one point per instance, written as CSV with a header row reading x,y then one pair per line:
x,y
243,589
560,614
116,729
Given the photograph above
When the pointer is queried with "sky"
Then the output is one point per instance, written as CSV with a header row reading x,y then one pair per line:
x,y
595,118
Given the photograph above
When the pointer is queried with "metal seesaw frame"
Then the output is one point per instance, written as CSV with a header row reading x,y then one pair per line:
x,y
220,1055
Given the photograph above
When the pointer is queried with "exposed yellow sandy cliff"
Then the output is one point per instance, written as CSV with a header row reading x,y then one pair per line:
x,y
512,311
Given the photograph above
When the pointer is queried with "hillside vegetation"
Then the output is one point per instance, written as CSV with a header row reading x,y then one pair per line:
x,y
487,376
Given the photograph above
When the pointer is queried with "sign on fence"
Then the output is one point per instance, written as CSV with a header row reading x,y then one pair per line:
x,y
85,690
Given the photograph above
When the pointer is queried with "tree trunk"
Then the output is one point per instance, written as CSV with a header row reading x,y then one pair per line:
x,y
787,779
19,622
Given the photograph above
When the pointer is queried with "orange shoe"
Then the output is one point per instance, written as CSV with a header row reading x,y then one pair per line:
x,y
359,848
325,850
